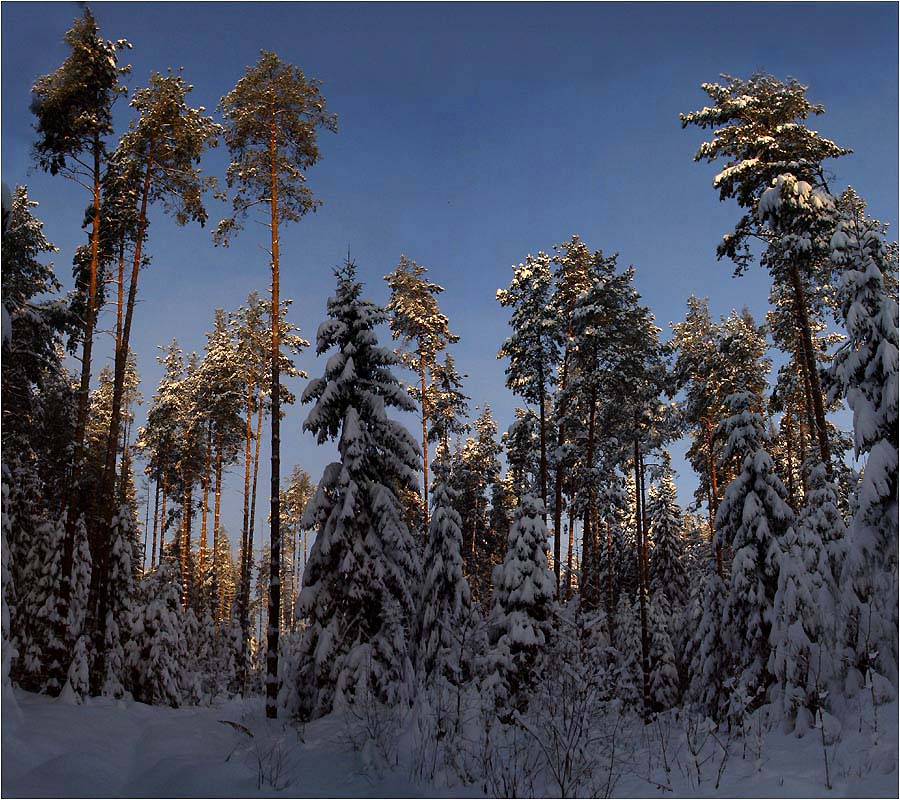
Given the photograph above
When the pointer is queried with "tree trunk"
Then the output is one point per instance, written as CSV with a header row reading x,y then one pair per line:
x,y
424,446
207,475
801,312
788,446
642,586
542,409
243,611
185,539
107,491
560,441
155,524
713,497
162,515
217,504
76,503
252,525
275,536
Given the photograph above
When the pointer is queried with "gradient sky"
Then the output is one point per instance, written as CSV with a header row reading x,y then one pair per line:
x,y
469,135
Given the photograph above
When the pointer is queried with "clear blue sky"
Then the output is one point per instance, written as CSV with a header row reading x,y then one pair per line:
x,y
471,135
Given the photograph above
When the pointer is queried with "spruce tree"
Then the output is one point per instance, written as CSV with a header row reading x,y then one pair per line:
x,y
864,371
668,572
445,601
533,346
357,597
521,621
753,520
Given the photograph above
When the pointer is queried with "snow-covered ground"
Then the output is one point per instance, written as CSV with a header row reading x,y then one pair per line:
x,y
120,748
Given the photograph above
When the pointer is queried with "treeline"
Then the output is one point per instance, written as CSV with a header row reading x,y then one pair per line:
x,y
429,583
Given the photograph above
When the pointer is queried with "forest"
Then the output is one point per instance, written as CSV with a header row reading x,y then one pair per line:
x,y
509,613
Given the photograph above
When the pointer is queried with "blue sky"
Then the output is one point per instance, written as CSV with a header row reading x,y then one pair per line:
x,y
470,135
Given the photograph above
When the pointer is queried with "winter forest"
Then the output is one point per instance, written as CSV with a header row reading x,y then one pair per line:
x,y
673,573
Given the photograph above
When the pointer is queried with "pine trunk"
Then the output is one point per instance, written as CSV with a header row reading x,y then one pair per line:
x,y
275,535
642,586
107,490
560,441
77,504
155,524
243,610
186,539
207,476
713,497
424,447
788,447
217,504
801,312
162,515
542,410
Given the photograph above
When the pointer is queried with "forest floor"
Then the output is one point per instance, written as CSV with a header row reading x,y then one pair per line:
x,y
108,748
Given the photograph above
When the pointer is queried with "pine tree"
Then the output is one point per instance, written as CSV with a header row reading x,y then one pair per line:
x,y
357,596
864,371
271,121
759,127
416,320
521,621
73,107
164,143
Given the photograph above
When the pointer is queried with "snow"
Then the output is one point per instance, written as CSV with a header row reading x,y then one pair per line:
x,y
123,748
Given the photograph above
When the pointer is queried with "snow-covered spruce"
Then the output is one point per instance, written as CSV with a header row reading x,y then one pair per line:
x,y
158,655
445,601
752,521
864,371
357,598
709,664
521,622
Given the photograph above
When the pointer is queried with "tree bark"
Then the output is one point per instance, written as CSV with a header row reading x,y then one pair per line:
x,y
107,492
220,606
801,311
162,516
186,538
424,446
542,409
207,475
155,524
560,441
275,514
642,586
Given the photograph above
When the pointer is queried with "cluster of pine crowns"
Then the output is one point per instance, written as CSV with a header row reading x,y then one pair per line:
x,y
700,606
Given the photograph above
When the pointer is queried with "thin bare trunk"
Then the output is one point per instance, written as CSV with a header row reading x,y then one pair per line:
x,y
162,515
424,446
185,539
642,586
275,513
560,441
220,605
207,475
155,524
